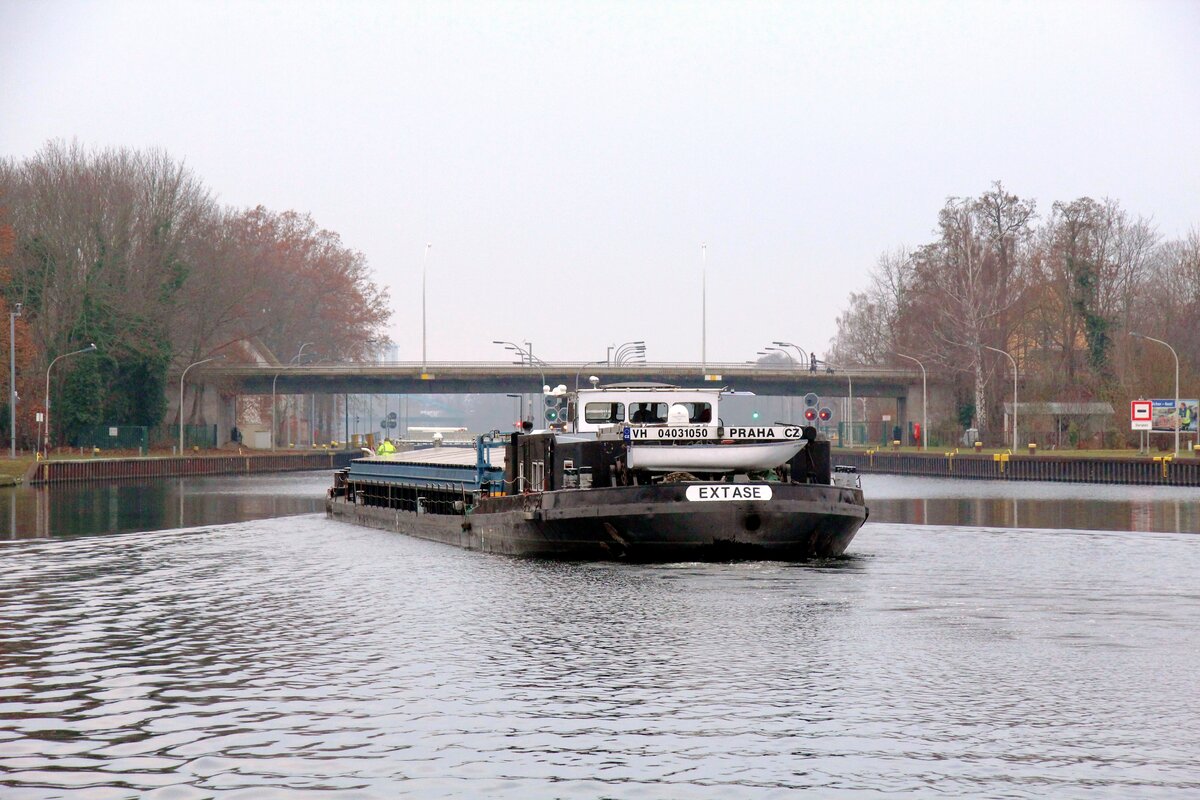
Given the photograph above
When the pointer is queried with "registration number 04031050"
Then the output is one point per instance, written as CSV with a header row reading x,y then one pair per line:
x,y
729,491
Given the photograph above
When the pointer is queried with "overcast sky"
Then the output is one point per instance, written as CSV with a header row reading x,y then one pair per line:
x,y
566,160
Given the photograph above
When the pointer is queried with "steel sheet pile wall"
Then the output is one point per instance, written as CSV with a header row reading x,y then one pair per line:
x,y
103,469
1063,469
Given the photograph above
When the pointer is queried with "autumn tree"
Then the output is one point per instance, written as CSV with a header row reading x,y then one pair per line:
x,y
127,249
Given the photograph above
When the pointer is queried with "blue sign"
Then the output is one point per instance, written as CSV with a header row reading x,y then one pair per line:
x,y
1165,418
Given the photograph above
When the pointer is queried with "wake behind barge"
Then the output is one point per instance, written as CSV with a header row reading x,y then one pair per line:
x,y
656,490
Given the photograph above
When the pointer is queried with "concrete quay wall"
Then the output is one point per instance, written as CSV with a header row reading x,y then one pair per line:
x,y
1141,471
103,469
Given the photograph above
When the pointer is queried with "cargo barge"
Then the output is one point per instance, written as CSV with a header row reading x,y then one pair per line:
x,y
659,483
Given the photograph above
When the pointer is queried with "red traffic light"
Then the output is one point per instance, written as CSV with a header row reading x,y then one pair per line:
x,y
825,414
810,414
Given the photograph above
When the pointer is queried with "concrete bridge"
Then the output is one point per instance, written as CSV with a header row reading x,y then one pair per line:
x,y
483,377
231,381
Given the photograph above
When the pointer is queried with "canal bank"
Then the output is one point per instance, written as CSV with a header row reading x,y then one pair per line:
x,y
245,463
1162,470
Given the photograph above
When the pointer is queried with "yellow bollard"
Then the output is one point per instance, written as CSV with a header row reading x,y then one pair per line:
x,y
979,447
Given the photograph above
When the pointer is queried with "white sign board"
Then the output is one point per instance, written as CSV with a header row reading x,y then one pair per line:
x,y
699,433
1141,415
728,491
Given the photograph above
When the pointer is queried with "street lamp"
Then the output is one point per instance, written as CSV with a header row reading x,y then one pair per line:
x,y
517,397
88,349
798,349
849,406
631,354
181,377
704,307
12,380
295,358
1006,354
582,367
424,264
1176,355
611,356
925,405
537,363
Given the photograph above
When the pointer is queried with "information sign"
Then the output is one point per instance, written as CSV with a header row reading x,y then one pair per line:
x,y
1165,417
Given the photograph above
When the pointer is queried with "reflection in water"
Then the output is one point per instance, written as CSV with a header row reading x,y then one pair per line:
x,y
1016,504
305,657
122,506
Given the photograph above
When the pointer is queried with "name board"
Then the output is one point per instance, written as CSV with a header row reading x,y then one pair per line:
x,y
667,433
699,433
728,491
765,432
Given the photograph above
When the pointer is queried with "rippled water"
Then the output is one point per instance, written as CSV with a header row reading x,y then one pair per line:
x,y
302,657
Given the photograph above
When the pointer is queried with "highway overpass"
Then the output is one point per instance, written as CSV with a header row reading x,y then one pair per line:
x,y
483,377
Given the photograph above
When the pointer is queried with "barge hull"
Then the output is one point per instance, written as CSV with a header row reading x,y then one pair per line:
x,y
653,523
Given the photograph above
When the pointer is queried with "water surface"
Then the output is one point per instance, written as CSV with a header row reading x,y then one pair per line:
x,y
301,657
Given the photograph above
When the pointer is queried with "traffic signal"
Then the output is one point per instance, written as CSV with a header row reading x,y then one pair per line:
x,y
825,414
811,400
810,414
551,415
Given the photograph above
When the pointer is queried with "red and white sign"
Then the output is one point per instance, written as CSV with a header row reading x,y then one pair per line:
x,y
1141,415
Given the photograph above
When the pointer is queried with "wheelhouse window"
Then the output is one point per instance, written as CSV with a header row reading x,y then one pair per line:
x,y
648,413
699,413
603,413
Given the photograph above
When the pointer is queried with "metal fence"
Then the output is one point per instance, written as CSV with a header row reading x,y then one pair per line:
x,y
113,437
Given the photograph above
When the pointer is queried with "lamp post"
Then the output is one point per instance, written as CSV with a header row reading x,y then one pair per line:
x,y
424,264
1176,356
295,358
88,349
1013,361
704,307
925,406
181,377
525,354
582,367
849,405
517,397
796,347
615,352
632,352
12,380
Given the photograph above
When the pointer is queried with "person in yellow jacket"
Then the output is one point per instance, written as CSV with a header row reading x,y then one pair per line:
x,y
386,448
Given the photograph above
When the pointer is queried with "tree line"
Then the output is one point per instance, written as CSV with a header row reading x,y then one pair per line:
x,y
128,249
1060,291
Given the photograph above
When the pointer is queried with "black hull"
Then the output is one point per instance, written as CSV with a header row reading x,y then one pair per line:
x,y
639,523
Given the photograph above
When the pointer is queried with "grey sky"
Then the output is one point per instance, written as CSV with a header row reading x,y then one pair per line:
x,y
566,160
